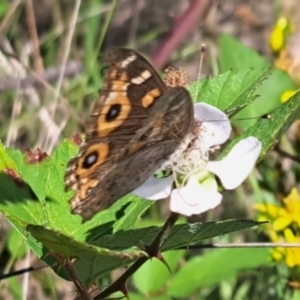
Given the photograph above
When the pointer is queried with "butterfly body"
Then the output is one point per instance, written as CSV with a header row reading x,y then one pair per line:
x,y
133,129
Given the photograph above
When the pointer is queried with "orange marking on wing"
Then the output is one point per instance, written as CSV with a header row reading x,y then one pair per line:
x,y
149,98
84,188
103,152
119,85
113,76
124,77
104,127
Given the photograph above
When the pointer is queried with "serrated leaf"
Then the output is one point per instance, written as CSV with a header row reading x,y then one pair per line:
x,y
100,260
230,91
270,130
196,232
244,57
18,202
180,236
121,216
41,200
269,97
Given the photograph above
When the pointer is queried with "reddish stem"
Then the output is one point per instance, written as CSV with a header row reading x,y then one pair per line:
x,y
183,25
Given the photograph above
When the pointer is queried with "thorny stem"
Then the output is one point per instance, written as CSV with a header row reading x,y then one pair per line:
x,y
152,250
80,286
164,232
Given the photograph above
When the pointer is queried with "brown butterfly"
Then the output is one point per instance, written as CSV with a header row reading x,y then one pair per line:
x,y
133,129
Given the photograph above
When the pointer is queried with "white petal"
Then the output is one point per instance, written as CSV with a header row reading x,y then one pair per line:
x,y
155,188
193,199
237,165
216,125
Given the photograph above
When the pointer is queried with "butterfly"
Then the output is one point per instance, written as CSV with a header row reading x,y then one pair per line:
x,y
134,127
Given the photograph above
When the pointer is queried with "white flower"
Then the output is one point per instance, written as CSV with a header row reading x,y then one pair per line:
x,y
198,189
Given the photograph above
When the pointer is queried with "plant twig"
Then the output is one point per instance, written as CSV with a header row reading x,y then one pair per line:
x,y
184,24
31,23
69,39
81,289
287,155
8,17
152,250
20,272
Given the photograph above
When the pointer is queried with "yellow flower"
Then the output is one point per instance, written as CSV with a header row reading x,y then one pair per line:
x,y
277,253
268,212
277,38
271,210
290,213
282,217
287,95
292,258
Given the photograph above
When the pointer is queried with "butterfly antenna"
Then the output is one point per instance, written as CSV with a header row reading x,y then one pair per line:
x,y
202,52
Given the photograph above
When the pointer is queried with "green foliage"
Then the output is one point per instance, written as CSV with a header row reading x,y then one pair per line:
x,y
16,245
36,206
230,91
34,200
4,6
153,275
203,271
233,91
237,57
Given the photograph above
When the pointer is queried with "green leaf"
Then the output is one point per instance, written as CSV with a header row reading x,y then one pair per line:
x,y
15,287
187,234
153,275
142,297
15,244
91,261
121,216
270,130
40,200
181,235
269,97
295,295
18,203
4,7
244,57
213,267
238,57
230,91
5,161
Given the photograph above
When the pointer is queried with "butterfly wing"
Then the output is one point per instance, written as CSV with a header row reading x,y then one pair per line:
x,y
133,128
169,121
